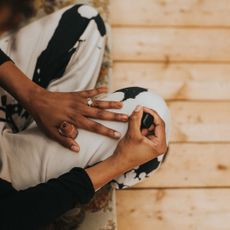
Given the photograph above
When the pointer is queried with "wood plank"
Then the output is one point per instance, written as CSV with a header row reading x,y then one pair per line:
x,y
200,121
170,13
176,81
192,165
187,209
187,45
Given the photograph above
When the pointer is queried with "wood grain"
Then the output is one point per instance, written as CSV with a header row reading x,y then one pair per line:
x,y
170,13
166,45
176,81
187,209
181,49
192,165
200,122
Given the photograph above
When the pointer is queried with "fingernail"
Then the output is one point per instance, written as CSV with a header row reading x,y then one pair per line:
x,y
117,134
75,148
125,117
138,108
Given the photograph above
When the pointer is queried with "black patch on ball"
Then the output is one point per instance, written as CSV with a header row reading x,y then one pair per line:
x,y
131,92
147,167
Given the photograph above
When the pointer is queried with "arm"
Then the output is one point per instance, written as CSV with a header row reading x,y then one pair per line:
x,y
40,205
17,84
39,103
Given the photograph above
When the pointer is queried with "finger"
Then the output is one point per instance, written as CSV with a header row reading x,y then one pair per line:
x,y
99,128
107,104
151,128
135,121
144,132
105,115
68,130
157,118
158,122
162,145
93,92
65,141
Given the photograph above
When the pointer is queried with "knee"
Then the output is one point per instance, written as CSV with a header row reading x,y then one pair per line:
x,y
133,96
88,13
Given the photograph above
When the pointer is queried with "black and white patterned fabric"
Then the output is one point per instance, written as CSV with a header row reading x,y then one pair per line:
x,y
65,54
67,44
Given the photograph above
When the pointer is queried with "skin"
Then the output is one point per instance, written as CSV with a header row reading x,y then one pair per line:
x,y
39,102
135,148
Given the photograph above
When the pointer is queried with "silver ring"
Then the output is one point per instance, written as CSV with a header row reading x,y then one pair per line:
x,y
60,131
89,101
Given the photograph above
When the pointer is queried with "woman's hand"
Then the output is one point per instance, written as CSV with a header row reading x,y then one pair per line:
x,y
51,109
137,147
134,149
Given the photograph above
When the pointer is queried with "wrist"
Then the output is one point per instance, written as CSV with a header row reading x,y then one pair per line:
x,y
18,85
105,171
31,95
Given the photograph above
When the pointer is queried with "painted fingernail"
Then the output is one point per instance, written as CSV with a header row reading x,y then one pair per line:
x,y
138,108
117,134
75,148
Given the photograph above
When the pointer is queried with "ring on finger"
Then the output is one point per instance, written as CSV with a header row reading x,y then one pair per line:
x,y
89,101
67,129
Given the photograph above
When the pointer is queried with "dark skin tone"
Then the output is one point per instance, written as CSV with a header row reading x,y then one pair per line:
x,y
135,148
71,107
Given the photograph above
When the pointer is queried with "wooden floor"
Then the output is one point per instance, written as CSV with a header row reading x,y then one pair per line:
x,y
180,48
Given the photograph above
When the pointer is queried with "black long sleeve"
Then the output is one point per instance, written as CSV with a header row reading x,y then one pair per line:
x,y
3,57
40,205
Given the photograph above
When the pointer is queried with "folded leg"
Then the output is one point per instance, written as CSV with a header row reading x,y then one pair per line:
x,y
61,52
33,158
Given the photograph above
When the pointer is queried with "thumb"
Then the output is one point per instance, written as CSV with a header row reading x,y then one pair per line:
x,y
135,120
65,141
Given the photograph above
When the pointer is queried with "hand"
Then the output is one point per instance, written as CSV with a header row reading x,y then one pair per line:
x,y
50,109
135,148
138,147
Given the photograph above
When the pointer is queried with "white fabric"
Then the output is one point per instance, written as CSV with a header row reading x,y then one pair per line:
x,y
33,158
29,157
81,72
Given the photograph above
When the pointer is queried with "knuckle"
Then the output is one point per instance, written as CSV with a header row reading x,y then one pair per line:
x,y
100,114
133,117
109,104
109,132
113,104
117,116
96,104
96,127
141,140
129,135
96,91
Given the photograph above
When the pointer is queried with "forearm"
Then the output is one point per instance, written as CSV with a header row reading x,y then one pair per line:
x,y
40,205
105,171
17,84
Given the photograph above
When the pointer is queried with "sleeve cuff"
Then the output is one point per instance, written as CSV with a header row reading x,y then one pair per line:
x,y
79,182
